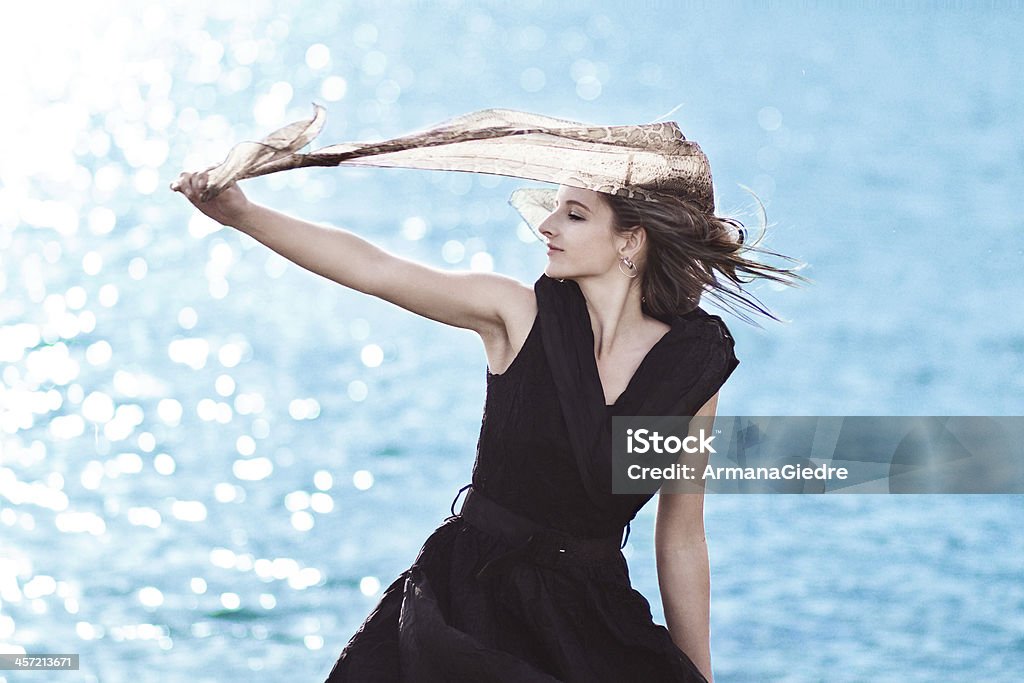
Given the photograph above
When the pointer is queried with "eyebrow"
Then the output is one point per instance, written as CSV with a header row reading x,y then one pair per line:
x,y
579,204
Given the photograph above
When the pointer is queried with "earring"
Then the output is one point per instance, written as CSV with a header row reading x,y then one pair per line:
x,y
631,271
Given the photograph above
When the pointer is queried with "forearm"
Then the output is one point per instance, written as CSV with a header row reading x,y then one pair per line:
x,y
685,580
336,254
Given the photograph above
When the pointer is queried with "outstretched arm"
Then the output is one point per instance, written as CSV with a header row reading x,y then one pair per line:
x,y
684,574
467,299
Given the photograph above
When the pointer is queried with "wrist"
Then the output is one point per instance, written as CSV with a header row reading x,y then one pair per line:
x,y
244,218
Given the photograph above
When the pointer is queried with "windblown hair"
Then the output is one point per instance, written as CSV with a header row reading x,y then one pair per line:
x,y
690,251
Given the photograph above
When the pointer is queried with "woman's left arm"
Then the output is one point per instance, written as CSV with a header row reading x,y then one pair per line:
x,y
684,574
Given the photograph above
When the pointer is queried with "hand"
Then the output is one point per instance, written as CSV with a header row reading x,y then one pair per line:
x,y
227,208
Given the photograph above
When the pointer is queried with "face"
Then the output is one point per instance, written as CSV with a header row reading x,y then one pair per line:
x,y
581,239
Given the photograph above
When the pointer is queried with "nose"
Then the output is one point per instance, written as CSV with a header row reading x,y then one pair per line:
x,y
545,227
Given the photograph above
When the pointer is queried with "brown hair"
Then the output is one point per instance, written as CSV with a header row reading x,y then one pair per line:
x,y
687,250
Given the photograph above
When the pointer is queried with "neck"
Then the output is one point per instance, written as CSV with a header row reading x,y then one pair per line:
x,y
615,310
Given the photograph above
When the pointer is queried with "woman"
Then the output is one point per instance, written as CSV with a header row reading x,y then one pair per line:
x,y
528,582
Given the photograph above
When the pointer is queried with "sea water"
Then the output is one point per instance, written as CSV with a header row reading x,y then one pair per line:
x,y
213,462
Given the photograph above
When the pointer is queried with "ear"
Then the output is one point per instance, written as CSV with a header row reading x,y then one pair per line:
x,y
632,242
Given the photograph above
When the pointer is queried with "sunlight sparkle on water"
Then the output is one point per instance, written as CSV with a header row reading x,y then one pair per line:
x,y
302,520
189,510
304,409
296,500
322,503
252,469
362,479
224,492
372,355
323,480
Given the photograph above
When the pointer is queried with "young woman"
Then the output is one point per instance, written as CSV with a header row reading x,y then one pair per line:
x,y
528,582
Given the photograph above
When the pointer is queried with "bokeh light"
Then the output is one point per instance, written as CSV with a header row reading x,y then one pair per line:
x,y
199,439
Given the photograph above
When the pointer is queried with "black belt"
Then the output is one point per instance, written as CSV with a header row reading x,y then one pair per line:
x,y
532,540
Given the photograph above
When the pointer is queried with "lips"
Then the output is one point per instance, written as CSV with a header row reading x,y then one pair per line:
x,y
552,247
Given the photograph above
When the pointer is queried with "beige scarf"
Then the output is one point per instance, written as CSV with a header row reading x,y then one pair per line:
x,y
649,162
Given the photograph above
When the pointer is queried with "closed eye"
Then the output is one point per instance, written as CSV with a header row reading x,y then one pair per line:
x,y
575,217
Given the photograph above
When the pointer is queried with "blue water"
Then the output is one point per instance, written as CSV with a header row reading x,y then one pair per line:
x,y
212,461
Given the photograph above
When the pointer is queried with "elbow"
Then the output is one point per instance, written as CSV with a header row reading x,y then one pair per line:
x,y
374,275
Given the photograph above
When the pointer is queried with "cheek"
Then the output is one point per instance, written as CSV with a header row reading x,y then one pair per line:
x,y
605,246
599,255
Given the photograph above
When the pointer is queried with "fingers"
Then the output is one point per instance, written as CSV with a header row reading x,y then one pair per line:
x,y
190,184
183,183
201,180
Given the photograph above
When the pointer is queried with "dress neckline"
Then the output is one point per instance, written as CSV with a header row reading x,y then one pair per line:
x,y
673,375
675,324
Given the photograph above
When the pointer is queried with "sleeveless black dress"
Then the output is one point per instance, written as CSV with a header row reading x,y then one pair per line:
x,y
475,606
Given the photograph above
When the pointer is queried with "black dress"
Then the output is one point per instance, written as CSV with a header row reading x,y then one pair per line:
x,y
481,605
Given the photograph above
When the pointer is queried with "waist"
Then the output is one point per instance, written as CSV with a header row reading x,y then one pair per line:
x,y
544,542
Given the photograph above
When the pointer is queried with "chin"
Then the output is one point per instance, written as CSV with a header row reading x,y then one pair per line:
x,y
556,273
559,271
